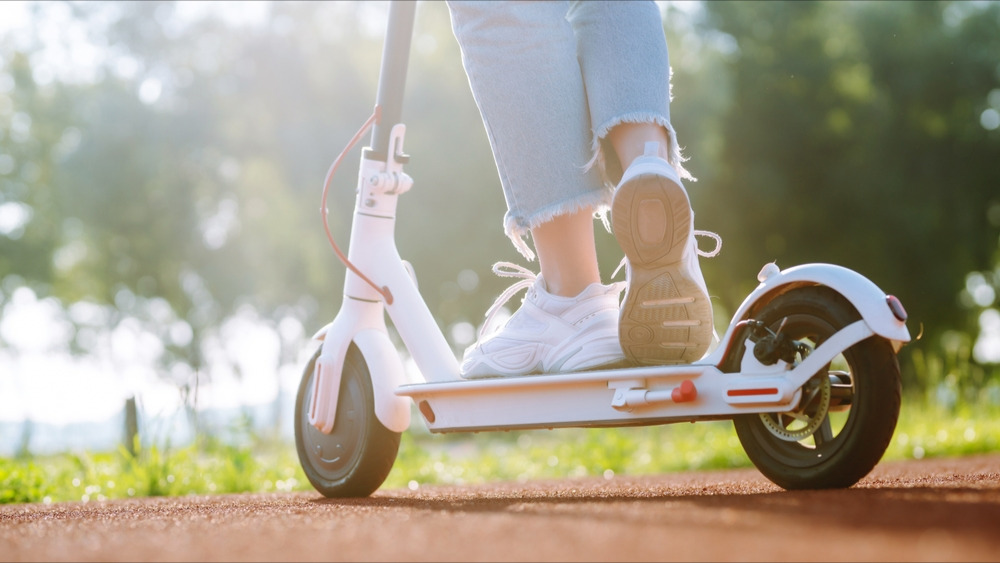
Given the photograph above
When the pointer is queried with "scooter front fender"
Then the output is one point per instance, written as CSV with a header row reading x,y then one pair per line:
x,y
363,324
869,300
387,374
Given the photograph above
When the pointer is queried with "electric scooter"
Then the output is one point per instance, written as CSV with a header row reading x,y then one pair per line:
x,y
807,369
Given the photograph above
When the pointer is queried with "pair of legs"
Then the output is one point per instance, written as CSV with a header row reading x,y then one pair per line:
x,y
573,95
564,87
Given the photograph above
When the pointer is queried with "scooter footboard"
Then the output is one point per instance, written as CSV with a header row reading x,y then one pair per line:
x,y
622,397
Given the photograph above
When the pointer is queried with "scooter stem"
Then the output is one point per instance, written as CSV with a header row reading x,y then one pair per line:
x,y
392,77
372,250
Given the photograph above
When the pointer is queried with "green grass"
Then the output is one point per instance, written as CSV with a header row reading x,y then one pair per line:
x,y
205,467
926,429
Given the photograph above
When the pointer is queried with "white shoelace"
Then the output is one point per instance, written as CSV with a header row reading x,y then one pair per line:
x,y
527,279
718,244
707,254
507,270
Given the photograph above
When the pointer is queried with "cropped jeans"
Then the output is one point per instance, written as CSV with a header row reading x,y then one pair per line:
x,y
551,79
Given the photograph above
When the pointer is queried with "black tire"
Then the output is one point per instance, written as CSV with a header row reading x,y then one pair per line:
x,y
354,459
828,457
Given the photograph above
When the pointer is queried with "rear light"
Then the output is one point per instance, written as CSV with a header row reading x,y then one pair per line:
x,y
896,307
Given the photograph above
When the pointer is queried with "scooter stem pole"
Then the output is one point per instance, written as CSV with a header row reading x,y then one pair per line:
x,y
392,77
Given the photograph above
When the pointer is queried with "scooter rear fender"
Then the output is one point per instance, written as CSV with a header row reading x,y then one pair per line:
x,y
869,300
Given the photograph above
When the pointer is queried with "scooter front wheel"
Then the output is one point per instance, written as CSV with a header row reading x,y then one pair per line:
x,y
848,412
354,459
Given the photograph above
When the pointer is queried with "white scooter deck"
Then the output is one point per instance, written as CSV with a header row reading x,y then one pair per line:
x,y
624,397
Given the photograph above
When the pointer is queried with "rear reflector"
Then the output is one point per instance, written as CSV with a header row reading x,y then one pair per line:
x,y
751,392
896,306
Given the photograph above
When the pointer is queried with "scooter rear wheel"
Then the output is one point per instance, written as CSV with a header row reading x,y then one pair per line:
x,y
849,411
354,459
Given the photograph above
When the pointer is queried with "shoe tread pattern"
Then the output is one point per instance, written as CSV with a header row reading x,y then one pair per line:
x,y
665,316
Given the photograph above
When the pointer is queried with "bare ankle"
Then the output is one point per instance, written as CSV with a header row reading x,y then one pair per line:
x,y
567,253
629,140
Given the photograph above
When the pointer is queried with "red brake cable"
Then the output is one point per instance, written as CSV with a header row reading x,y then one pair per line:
x,y
372,119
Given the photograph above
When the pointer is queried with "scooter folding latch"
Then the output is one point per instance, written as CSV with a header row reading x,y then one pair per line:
x,y
386,183
629,398
685,392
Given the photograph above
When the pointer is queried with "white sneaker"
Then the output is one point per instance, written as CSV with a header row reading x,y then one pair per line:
x,y
666,316
548,333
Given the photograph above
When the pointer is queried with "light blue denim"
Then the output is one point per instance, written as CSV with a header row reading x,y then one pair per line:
x,y
550,80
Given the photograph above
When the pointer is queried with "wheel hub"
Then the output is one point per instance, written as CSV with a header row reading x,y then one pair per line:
x,y
797,425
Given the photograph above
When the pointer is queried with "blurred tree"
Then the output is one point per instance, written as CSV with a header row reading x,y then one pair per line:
x,y
31,121
187,172
853,136
180,180
171,177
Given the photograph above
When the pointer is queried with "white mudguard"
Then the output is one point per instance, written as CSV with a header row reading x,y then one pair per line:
x,y
361,322
870,301
391,410
326,378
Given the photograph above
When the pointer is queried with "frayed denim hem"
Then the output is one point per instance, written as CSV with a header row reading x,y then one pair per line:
x,y
607,161
517,227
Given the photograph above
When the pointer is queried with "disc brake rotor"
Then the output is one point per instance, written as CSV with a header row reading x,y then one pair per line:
x,y
797,425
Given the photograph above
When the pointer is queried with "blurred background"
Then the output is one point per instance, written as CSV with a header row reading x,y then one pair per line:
x,y
161,166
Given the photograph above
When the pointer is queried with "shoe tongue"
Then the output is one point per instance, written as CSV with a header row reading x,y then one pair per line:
x,y
539,294
542,290
540,283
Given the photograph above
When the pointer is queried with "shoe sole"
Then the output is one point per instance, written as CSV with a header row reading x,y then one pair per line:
x,y
665,317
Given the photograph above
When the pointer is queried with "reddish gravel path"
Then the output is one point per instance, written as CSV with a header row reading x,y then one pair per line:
x,y
932,510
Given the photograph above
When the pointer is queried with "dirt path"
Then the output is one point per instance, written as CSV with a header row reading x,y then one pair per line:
x,y
934,510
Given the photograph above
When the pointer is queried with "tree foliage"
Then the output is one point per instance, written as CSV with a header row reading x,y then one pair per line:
x,y
179,180
853,135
